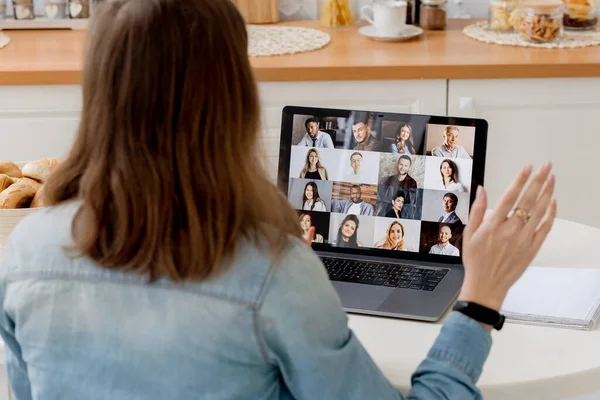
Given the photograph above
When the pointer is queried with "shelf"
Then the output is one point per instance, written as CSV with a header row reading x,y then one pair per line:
x,y
43,23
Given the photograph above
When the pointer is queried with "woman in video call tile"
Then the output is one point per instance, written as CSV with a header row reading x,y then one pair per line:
x,y
347,232
449,181
450,148
312,166
394,237
444,247
404,142
401,177
397,210
306,224
311,201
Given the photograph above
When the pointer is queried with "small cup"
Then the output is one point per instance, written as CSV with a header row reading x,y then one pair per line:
x,y
55,9
79,9
389,17
23,9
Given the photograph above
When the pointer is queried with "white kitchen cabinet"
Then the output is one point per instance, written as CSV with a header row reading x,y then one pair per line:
x,y
425,96
38,121
532,120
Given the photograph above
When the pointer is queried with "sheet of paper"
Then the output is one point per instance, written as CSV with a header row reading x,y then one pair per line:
x,y
562,293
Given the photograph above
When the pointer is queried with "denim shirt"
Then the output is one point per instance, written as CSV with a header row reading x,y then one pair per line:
x,y
74,330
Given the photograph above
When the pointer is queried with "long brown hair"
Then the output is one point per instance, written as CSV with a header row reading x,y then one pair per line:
x,y
170,118
453,167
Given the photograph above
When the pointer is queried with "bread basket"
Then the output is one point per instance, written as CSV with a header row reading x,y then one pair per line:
x,y
9,218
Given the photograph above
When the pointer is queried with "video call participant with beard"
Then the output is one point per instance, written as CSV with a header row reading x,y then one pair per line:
x,y
449,203
365,141
314,137
450,148
444,247
401,178
347,233
353,205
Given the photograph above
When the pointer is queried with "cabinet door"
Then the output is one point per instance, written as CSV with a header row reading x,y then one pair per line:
x,y
421,97
533,120
38,121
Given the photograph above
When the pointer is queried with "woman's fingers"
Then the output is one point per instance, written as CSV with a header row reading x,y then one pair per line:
x,y
511,195
310,236
545,226
477,213
541,205
532,192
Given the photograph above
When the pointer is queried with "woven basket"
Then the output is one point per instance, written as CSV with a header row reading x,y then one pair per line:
x,y
9,218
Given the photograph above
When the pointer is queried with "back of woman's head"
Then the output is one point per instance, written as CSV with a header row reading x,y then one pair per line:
x,y
165,160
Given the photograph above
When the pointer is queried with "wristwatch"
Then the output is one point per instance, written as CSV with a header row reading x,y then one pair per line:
x,y
480,313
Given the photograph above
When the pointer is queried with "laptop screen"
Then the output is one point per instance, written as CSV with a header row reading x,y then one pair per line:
x,y
385,181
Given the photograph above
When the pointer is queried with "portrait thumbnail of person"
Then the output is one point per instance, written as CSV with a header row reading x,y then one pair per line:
x,y
449,141
319,220
309,195
349,198
452,175
397,202
311,163
401,170
446,207
354,166
396,234
307,132
362,131
401,137
349,230
441,239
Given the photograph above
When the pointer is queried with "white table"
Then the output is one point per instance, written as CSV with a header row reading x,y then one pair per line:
x,y
526,362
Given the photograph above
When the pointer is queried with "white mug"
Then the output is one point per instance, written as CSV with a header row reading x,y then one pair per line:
x,y
389,17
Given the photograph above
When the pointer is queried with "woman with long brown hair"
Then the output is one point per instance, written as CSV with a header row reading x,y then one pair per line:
x,y
449,172
404,143
312,166
167,269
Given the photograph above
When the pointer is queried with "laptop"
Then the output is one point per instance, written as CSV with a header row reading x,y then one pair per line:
x,y
389,195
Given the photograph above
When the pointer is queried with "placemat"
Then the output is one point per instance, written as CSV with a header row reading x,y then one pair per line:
x,y
570,39
4,40
279,40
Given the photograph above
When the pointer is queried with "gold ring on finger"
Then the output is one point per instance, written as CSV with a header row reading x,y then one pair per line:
x,y
522,215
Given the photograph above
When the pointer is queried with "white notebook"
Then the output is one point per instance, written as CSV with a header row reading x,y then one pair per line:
x,y
562,297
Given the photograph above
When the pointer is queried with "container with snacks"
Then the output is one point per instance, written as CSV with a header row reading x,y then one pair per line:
x,y
580,14
504,15
433,14
541,20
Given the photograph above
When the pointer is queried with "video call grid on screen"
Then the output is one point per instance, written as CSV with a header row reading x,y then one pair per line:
x,y
372,180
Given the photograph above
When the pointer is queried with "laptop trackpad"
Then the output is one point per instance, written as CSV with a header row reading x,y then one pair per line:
x,y
361,297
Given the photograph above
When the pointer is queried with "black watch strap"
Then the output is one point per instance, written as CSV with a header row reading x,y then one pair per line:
x,y
480,313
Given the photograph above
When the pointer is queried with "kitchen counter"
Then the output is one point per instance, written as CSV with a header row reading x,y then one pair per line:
x,y
55,57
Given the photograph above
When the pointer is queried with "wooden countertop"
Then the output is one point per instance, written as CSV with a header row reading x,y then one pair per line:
x,y
55,57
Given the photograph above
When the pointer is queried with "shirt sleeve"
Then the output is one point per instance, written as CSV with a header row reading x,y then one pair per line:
x,y
304,332
16,367
327,142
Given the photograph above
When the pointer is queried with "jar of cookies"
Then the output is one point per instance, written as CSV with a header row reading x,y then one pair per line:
x,y
504,15
580,14
433,14
541,20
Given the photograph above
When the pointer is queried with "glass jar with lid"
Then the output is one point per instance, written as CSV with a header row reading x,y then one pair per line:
x,y
541,20
504,15
433,14
580,14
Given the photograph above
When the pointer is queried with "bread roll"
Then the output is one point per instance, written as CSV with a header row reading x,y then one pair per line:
x,y
40,170
5,181
10,169
38,199
19,194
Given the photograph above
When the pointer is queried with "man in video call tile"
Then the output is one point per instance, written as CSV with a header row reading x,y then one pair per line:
x,y
444,247
314,137
450,148
353,205
356,171
401,178
364,140
449,203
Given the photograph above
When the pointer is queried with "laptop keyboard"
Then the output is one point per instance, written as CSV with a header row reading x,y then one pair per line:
x,y
381,274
